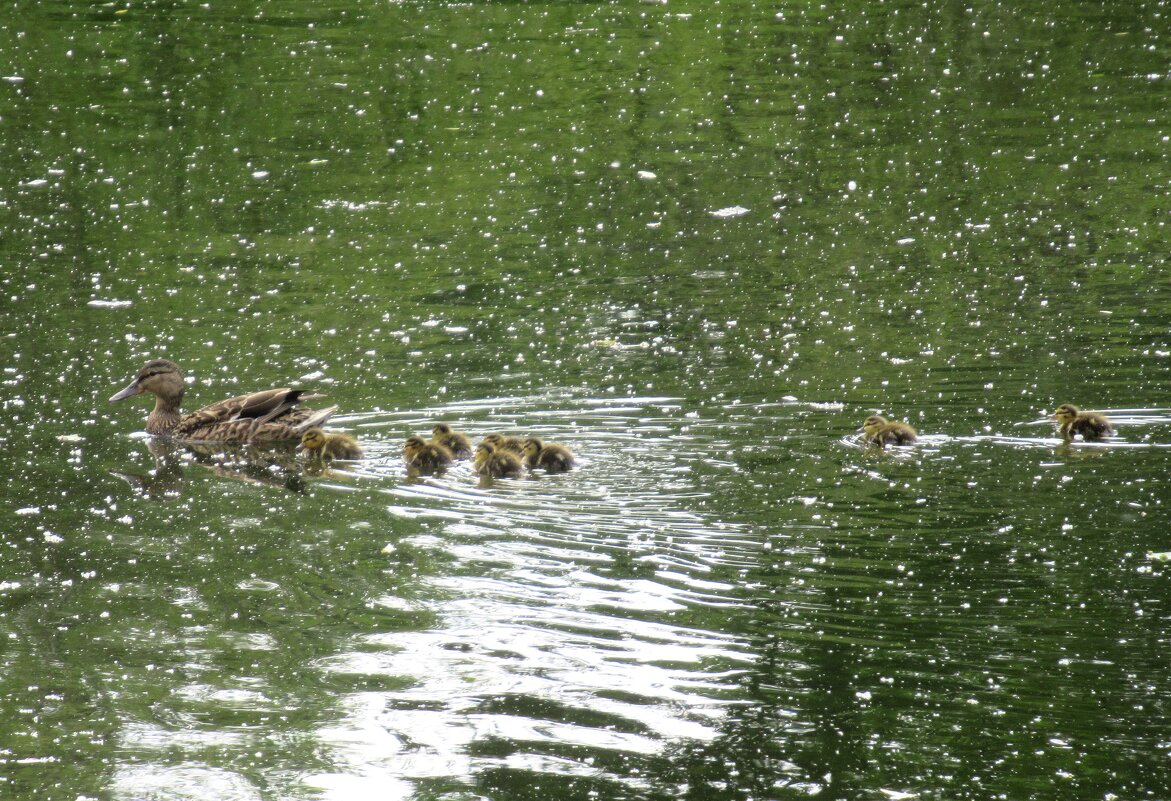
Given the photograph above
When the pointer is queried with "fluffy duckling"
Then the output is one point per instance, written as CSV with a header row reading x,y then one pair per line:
x,y
514,445
548,456
319,445
1090,425
425,456
877,430
496,462
459,445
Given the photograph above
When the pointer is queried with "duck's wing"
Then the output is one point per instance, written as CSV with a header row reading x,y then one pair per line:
x,y
289,425
238,419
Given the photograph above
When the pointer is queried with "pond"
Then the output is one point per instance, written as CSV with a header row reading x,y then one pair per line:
x,y
698,244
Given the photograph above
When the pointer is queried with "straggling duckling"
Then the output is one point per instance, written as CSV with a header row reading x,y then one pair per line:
x,y
496,462
1090,425
426,457
319,445
548,456
514,445
877,430
459,445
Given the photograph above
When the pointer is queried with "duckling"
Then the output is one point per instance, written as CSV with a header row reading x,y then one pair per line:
x,y
1090,425
879,431
319,445
496,462
514,445
459,445
425,456
550,457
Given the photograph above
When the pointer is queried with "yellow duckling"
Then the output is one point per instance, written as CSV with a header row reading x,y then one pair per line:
x,y
514,445
319,445
879,431
459,445
548,456
426,457
1090,425
496,463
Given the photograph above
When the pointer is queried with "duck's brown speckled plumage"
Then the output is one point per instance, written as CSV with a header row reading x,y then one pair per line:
x,y
547,456
1090,425
877,430
267,416
496,462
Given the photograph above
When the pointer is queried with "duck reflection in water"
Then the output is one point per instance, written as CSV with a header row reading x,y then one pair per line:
x,y
273,465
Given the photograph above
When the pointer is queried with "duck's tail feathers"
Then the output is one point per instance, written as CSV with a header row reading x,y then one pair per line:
x,y
316,419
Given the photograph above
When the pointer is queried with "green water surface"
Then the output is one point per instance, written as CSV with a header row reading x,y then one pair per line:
x,y
698,243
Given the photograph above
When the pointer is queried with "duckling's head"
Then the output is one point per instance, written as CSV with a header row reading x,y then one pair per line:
x,y
159,376
313,439
492,439
484,452
533,446
414,443
441,429
872,422
1066,412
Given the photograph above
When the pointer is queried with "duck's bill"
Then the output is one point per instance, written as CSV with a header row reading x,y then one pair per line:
x,y
130,391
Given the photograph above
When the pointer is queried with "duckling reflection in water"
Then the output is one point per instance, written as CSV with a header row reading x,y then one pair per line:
x,y
877,430
425,457
496,463
514,445
459,445
318,445
548,456
1090,425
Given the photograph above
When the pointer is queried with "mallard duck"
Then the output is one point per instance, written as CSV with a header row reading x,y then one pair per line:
x,y
879,431
548,456
319,445
459,445
514,445
268,416
425,456
1090,425
496,462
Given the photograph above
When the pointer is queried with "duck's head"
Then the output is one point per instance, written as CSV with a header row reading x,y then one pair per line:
x,y
872,422
313,439
533,446
414,444
484,451
440,430
492,439
1066,412
158,376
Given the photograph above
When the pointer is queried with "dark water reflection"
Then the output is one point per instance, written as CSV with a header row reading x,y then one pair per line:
x,y
696,243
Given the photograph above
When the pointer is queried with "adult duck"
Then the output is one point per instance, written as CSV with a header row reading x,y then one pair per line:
x,y
268,416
